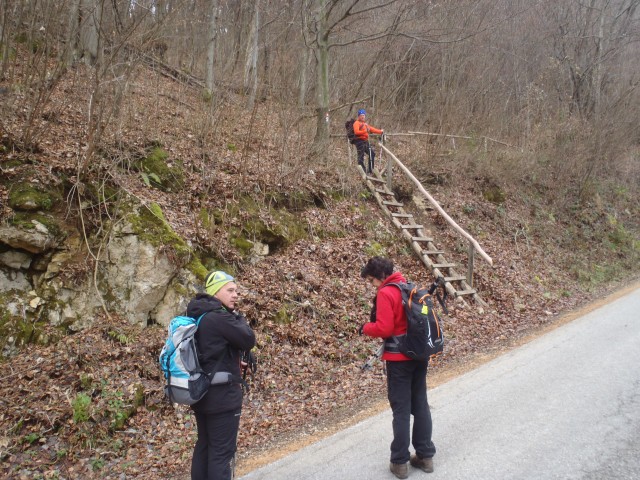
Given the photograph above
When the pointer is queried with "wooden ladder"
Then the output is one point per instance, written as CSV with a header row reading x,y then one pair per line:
x,y
455,283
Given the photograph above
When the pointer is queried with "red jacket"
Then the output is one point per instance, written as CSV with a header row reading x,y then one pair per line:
x,y
390,317
363,129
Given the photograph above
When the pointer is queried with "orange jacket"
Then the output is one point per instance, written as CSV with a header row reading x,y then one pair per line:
x,y
363,129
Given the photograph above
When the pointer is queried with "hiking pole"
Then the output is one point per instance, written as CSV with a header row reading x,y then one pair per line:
x,y
441,299
370,161
368,365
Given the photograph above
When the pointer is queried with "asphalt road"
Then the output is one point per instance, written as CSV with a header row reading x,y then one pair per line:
x,y
564,406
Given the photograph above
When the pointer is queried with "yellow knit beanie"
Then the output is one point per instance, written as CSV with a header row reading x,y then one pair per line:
x,y
216,280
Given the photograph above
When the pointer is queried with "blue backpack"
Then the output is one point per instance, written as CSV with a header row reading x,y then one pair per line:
x,y
186,382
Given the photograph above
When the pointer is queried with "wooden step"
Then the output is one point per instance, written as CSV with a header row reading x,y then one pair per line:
x,y
410,227
401,215
460,293
432,252
376,179
393,204
421,239
455,278
444,265
386,192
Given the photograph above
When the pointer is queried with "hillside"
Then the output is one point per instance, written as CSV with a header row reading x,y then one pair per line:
x,y
89,403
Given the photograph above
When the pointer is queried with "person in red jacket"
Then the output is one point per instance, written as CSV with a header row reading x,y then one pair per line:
x,y
362,129
406,378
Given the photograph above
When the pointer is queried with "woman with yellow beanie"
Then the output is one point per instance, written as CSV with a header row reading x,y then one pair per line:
x,y
222,336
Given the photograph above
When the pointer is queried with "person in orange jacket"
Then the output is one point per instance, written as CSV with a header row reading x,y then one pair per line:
x,y
406,378
362,129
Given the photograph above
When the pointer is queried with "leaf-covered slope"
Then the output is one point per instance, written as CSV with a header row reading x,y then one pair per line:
x,y
91,404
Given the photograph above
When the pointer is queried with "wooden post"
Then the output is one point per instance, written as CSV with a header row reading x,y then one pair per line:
x,y
470,269
389,173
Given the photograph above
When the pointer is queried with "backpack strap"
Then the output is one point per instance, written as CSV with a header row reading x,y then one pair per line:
x,y
392,344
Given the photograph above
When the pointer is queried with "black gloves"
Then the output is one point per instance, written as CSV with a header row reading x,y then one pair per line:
x,y
250,359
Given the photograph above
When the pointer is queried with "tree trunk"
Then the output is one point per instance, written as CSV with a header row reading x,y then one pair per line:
x,y
91,15
321,140
211,48
71,51
304,65
251,63
4,39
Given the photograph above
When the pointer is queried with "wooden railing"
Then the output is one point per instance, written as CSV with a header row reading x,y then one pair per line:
x,y
473,244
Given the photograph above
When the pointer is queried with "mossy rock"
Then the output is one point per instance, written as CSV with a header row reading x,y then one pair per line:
x,y
196,267
283,227
25,196
157,171
151,226
18,330
27,221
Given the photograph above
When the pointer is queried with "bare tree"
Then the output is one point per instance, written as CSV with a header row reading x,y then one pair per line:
x,y
327,17
251,61
211,46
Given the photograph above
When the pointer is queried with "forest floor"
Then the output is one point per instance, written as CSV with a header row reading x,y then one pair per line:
x,y
306,300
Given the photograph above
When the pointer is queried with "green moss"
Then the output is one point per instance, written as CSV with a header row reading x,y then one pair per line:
x,y
7,164
138,396
103,193
205,219
212,263
241,243
196,267
494,195
375,250
151,226
24,196
277,228
160,173
283,316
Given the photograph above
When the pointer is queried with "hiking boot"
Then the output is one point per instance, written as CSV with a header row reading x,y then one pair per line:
x,y
400,470
424,464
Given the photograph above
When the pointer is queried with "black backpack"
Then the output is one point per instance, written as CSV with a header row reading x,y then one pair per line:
x,y
351,135
424,336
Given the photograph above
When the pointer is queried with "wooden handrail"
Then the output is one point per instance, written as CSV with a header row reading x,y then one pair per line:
x,y
435,204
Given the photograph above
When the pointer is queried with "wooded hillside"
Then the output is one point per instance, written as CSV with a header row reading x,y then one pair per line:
x,y
145,143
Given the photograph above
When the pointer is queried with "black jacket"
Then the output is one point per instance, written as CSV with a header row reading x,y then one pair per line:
x,y
220,333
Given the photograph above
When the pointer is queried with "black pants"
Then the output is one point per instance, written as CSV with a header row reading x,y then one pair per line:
x,y
363,148
407,393
216,445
